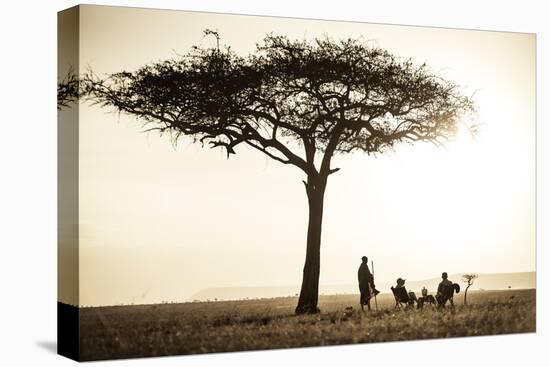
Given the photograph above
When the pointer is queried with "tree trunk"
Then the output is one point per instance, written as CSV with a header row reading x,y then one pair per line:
x,y
309,293
465,294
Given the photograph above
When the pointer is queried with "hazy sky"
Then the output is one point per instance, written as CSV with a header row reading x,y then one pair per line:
x,y
159,222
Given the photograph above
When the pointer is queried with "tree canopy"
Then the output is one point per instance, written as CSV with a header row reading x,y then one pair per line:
x,y
469,278
329,96
67,90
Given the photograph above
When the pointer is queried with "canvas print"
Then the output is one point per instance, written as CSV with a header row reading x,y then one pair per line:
x,y
238,183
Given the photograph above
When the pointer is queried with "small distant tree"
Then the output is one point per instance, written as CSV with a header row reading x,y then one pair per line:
x,y
298,102
469,280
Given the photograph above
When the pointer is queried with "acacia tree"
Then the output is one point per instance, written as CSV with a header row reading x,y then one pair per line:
x,y
67,90
298,102
469,280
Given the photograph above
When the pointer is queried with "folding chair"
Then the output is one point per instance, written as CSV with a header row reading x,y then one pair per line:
x,y
402,296
447,295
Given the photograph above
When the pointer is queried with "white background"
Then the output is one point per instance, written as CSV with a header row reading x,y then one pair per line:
x,y
28,183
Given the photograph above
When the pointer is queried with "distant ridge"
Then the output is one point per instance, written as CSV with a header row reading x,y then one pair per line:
x,y
490,281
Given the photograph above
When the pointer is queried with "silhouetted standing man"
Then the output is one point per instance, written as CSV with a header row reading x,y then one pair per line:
x,y
366,283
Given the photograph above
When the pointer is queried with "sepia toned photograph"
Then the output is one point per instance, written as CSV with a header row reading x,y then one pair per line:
x,y
236,183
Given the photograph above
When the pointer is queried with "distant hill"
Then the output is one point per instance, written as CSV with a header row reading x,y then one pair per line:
x,y
493,281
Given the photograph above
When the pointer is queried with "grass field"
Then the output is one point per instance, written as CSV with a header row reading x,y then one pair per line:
x,y
208,327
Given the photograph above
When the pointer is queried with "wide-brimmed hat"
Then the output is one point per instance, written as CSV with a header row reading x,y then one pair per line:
x,y
400,280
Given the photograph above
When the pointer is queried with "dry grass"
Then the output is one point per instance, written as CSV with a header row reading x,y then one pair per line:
x,y
189,328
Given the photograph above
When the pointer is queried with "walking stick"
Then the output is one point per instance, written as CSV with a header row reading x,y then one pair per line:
x,y
374,289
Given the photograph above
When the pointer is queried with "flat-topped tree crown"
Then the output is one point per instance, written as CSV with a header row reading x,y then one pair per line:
x,y
329,96
299,102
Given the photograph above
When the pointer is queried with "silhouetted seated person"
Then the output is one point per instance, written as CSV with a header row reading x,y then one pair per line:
x,y
445,291
401,295
426,298
366,284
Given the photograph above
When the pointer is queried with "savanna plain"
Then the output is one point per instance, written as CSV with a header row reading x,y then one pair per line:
x,y
211,327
